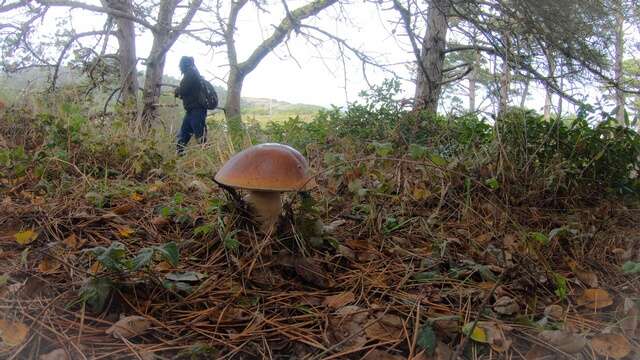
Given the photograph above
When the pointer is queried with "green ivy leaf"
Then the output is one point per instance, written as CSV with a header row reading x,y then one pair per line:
x,y
383,149
113,257
539,237
631,267
417,152
203,230
170,253
178,198
177,285
438,160
96,292
142,259
427,339
425,276
231,242
492,183
185,276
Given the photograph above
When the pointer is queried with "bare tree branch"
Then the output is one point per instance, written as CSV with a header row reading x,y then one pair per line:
x,y
285,27
99,9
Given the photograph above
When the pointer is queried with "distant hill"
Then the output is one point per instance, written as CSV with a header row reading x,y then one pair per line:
x,y
13,86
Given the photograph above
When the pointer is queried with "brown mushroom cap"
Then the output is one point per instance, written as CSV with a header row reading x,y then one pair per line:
x,y
267,167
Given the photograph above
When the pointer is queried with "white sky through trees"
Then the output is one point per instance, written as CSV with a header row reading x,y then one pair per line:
x,y
314,75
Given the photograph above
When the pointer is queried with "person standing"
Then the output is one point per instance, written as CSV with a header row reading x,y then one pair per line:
x,y
190,91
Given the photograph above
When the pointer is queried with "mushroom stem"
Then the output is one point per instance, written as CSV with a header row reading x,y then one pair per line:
x,y
267,206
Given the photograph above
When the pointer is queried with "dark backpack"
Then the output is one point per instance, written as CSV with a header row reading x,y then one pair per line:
x,y
208,96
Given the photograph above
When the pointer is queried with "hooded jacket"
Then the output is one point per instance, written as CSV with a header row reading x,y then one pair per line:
x,y
190,89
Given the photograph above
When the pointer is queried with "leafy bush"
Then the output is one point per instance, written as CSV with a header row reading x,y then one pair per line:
x,y
572,155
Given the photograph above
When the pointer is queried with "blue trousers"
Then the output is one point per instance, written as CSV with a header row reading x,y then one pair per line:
x,y
193,123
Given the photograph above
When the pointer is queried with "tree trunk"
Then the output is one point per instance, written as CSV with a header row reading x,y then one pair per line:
x,y
155,62
505,78
473,78
429,80
525,93
164,37
127,58
547,100
239,70
232,107
505,82
617,68
152,87
472,90
561,86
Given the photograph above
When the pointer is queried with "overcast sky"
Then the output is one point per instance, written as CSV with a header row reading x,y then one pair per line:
x,y
314,75
311,75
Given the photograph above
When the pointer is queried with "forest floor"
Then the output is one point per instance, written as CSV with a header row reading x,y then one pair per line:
x,y
393,259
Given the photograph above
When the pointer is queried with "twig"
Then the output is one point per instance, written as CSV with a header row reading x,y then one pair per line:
x,y
485,302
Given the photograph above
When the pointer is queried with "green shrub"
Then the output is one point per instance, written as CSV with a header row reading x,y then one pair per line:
x,y
571,155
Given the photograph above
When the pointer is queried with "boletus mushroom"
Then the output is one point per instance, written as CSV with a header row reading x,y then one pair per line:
x,y
266,171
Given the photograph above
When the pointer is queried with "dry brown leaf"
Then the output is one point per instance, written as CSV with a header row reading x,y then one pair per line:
x,y
311,271
381,355
392,320
13,333
611,345
595,299
629,315
49,265
555,312
156,186
565,341
358,245
506,306
586,277
333,226
378,331
538,352
486,285
57,354
387,327
346,252
96,267
123,209
347,326
446,327
148,355
622,254
229,314
339,300
443,352
125,231
163,266
129,326
359,314
73,242
159,221
495,336
484,238
510,242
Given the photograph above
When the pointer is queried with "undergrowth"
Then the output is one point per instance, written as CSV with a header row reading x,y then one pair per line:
x,y
415,218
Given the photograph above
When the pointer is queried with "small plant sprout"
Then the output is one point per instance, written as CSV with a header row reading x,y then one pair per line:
x,y
266,171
